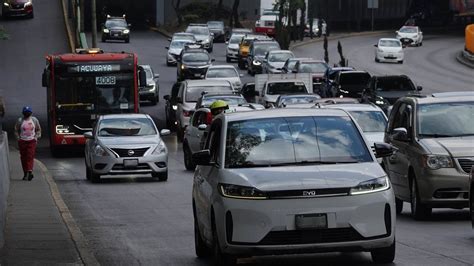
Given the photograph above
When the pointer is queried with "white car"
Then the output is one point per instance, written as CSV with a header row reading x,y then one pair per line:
x,y
232,51
275,60
411,35
174,51
389,50
291,181
225,72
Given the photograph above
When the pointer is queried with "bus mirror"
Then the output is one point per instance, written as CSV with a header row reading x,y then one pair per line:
x,y
44,79
142,78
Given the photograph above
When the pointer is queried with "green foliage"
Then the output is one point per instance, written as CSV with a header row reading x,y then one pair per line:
x,y
202,11
3,34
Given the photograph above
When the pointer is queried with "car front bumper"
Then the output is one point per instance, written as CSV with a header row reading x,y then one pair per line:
x,y
389,57
17,11
234,54
357,223
111,165
115,36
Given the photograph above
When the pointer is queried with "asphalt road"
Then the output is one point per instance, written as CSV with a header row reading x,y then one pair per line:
x,y
134,220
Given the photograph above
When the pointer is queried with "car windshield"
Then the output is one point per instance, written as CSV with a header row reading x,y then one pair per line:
x,y
298,99
446,119
408,30
390,43
261,49
316,67
112,127
195,57
286,88
394,85
194,93
187,36
370,121
222,73
116,23
179,44
230,100
292,141
236,38
215,24
198,30
279,57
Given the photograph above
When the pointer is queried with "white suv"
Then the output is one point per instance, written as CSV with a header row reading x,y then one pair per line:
x,y
290,181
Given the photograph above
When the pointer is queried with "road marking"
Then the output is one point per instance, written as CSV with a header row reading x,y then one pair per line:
x,y
85,252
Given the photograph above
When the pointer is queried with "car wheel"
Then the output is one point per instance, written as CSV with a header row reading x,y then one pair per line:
x,y
421,43
241,65
180,134
168,63
400,62
398,205
419,211
377,60
227,59
32,15
95,178
161,176
188,159
202,251
220,258
384,255
103,39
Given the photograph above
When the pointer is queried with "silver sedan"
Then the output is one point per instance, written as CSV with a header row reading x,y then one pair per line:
x,y
123,144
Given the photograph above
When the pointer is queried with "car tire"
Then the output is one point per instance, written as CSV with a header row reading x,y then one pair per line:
x,y
384,255
227,59
200,247
241,65
161,176
421,43
400,62
168,63
220,258
32,15
188,159
377,60
180,134
398,205
419,211
103,39
95,178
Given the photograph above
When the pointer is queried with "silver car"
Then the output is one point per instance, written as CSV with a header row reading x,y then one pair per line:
x,y
124,144
225,72
289,181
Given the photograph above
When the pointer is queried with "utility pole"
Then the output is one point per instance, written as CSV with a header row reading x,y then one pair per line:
x,y
94,24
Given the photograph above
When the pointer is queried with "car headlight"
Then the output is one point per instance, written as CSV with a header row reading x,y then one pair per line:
x,y
100,151
175,107
160,148
6,4
257,63
126,31
183,66
379,102
206,40
106,31
241,192
152,87
371,186
435,162
380,50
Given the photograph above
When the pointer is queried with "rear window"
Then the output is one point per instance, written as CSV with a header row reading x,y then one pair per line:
x,y
316,67
194,93
286,88
394,84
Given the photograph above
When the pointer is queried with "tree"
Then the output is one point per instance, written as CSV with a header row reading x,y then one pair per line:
x,y
339,50
219,9
325,45
176,7
234,17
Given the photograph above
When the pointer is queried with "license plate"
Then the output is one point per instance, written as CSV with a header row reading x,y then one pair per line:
x,y
116,34
130,163
197,75
311,221
390,55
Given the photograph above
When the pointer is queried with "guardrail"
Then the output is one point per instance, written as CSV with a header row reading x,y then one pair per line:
x,y
470,38
4,183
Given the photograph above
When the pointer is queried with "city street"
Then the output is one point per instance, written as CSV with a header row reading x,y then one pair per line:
x,y
136,220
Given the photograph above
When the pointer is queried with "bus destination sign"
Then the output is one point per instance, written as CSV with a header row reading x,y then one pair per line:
x,y
94,68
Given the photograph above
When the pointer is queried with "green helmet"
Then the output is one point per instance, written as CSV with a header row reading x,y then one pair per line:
x,y
219,104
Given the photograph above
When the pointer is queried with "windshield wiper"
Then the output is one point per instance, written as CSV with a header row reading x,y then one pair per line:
x,y
437,136
464,135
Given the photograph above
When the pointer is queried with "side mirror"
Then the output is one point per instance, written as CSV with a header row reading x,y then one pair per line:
x,y
376,45
419,88
202,127
169,39
88,135
213,60
167,47
142,78
165,132
227,42
400,134
166,97
202,157
157,76
383,150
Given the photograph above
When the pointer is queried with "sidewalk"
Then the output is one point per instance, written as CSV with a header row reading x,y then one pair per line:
x,y
35,232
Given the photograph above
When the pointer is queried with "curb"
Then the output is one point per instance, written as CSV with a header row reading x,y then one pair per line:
x,y
162,32
68,28
461,59
85,252
337,37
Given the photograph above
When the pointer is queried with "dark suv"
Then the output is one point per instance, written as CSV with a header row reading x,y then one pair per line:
x,y
116,28
193,64
384,91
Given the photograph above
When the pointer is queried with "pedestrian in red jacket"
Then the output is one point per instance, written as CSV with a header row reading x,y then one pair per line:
x,y
27,131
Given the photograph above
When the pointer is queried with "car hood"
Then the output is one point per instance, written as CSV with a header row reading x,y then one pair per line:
x,y
233,46
259,57
303,177
392,96
276,64
407,35
373,137
129,141
197,64
271,98
175,51
234,81
455,147
13,2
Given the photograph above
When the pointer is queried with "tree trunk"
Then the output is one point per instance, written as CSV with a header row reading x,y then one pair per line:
x,y
176,7
219,9
234,17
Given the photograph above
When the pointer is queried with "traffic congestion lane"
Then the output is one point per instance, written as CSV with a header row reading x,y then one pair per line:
x,y
432,65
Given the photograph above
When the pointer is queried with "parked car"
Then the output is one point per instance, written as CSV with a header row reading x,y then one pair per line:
x,y
126,144
257,51
327,85
189,93
17,8
296,100
171,106
151,91
225,72
275,60
389,50
435,147
350,83
193,64
218,29
116,28
202,35
232,50
384,91
328,193
316,67
175,49
410,35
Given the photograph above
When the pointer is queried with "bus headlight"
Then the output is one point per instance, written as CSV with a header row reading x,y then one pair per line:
x,y
63,130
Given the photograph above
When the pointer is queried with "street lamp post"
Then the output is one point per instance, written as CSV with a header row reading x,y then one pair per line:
x,y
94,24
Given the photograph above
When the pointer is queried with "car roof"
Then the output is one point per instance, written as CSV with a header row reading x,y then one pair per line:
x,y
311,60
440,98
388,39
354,107
124,116
353,72
283,112
280,52
207,82
222,66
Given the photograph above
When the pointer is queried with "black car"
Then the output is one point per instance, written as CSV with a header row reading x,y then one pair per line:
x,y
17,8
116,28
151,91
171,106
193,64
328,80
350,84
257,52
218,29
384,91
317,68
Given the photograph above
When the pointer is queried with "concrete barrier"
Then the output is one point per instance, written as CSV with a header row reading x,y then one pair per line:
x,y
4,183
470,38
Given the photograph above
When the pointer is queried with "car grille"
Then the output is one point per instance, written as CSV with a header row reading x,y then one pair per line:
x,y
18,6
296,237
140,166
309,193
466,164
117,33
130,152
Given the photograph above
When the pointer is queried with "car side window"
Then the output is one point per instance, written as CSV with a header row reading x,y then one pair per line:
x,y
175,90
213,141
402,117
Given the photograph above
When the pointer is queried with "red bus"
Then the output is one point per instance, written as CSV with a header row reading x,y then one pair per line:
x,y
83,85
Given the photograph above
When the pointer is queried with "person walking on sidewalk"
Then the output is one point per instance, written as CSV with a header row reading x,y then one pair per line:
x,y
27,131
